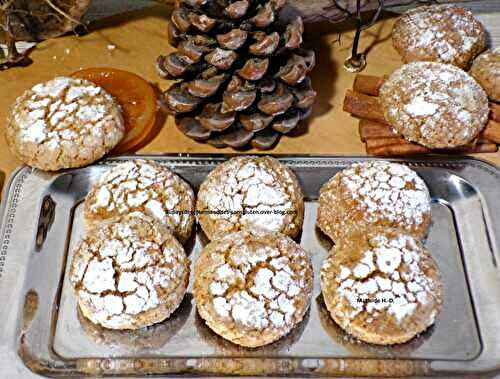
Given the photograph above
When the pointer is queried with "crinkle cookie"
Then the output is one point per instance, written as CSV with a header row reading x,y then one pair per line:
x,y
486,70
64,123
381,286
146,187
439,33
129,273
435,105
374,193
253,287
245,192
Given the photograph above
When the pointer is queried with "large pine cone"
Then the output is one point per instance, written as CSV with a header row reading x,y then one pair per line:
x,y
243,74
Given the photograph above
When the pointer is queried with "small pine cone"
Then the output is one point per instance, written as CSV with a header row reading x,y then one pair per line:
x,y
242,74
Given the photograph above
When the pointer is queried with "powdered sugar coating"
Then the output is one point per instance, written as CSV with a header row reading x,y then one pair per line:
x,y
486,70
262,187
433,104
381,286
129,273
65,122
252,287
147,187
439,33
374,193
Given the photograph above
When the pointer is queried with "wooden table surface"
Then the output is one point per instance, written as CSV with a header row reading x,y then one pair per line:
x,y
140,36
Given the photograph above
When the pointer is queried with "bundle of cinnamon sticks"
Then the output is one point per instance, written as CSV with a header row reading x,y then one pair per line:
x,y
381,139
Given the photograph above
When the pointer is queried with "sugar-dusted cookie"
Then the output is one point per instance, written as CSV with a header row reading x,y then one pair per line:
x,y
253,287
486,70
129,273
63,123
435,105
381,286
374,193
439,33
250,191
146,187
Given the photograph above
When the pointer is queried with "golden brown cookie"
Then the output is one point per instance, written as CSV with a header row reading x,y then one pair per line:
x,y
371,194
486,70
439,33
63,123
146,187
245,192
381,286
435,105
129,273
253,287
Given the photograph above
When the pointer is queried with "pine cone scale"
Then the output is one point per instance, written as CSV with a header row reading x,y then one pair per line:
x,y
243,78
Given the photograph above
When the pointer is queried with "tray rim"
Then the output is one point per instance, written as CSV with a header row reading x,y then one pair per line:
x,y
415,161
452,162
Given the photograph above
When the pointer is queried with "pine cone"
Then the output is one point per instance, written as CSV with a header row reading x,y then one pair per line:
x,y
243,76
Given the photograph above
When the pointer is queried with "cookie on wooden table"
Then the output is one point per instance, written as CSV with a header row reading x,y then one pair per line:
x,y
436,105
245,192
64,123
253,287
129,273
381,286
374,193
146,187
439,33
486,70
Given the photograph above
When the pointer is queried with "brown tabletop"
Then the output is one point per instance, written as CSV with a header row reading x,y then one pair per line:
x,y
140,36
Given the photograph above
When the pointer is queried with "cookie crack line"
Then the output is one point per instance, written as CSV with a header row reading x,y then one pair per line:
x,y
250,191
129,273
145,187
256,283
64,123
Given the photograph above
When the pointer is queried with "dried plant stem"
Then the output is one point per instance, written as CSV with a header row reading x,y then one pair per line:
x,y
61,12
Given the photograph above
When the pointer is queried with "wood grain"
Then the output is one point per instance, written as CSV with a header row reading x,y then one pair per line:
x,y
329,131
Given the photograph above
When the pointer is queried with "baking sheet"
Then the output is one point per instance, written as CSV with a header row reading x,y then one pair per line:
x,y
42,221
453,337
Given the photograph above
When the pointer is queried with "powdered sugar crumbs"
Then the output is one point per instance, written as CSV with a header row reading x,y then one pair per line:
x,y
388,190
388,278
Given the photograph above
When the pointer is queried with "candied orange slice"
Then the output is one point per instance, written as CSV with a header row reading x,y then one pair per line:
x,y
137,98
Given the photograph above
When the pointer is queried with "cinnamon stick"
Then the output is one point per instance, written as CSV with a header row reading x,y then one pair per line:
x,y
414,149
369,129
363,106
368,108
368,84
398,149
492,131
481,148
379,142
481,140
495,112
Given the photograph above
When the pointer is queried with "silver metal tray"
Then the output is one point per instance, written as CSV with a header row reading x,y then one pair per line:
x,y
42,333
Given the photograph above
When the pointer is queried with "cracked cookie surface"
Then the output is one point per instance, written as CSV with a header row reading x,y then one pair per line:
x,y
371,194
439,33
129,273
253,287
486,70
381,286
64,123
146,187
436,105
245,192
